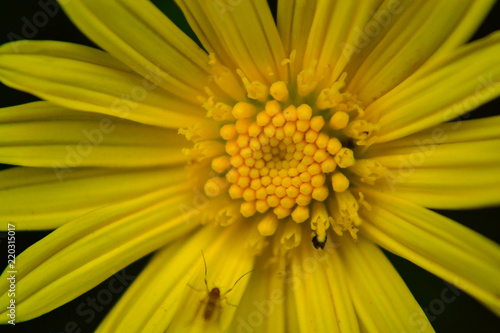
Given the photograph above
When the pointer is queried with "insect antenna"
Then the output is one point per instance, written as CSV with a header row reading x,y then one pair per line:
x,y
205,262
237,281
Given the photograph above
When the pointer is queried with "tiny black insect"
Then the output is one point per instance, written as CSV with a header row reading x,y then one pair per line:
x,y
317,244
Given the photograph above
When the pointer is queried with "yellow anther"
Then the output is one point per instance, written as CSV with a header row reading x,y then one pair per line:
x,y
221,163
256,184
244,110
264,171
297,137
232,176
317,123
264,139
235,192
273,173
258,154
243,181
274,142
320,155
236,160
263,118
288,142
248,208
228,132
277,180
243,140
280,191
292,172
271,189
254,130
311,136
333,146
242,125
273,108
279,91
296,181
255,144
269,130
246,152
283,173
244,170
306,188
300,214
268,225
340,183
293,164
280,134
287,202
303,199
254,173
344,158
328,165
298,155
281,212
301,167
290,113
339,120
249,194
322,140
309,149
300,146
273,200
278,120
320,193
261,206
307,160
290,149
304,112
286,181
318,180
215,186
314,169
292,191
303,125
261,193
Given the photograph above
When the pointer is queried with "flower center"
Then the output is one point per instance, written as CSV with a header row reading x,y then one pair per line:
x,y
279,156
279,159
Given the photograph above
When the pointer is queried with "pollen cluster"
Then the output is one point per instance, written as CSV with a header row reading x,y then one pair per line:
x,y
276,155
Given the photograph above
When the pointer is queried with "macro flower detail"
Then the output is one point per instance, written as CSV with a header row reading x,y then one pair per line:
x,y
265,167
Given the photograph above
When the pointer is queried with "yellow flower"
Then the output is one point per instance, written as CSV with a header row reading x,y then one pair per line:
x,y
264,168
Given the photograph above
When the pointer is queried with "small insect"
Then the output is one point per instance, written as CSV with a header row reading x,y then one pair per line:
x,y
319,243
212,303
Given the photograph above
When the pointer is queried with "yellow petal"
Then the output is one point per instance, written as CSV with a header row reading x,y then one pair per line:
x,y
42,134
433,96
244,30
227,267
261,308
382,300
405,37
83,253
443,247
295,18
333,33
43,198
453,165
81,78
310,291
141,36
155,295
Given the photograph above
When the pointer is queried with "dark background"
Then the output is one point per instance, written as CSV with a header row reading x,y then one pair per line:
x,y
464,314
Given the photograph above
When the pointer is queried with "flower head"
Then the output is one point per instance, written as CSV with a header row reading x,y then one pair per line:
x,y
265,168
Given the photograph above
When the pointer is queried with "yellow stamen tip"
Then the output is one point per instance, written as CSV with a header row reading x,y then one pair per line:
x,y
340,183
244,110
300,214
339,120
279,91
